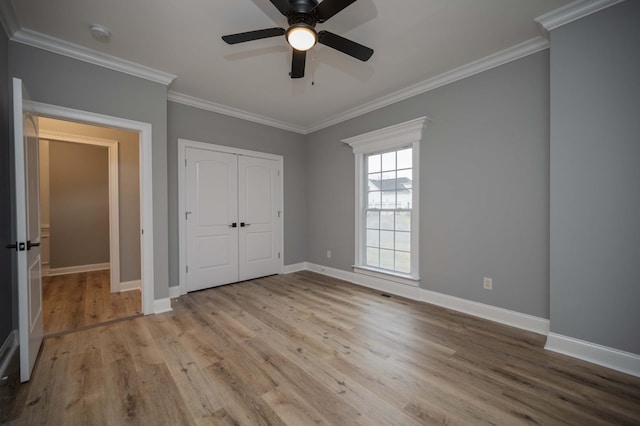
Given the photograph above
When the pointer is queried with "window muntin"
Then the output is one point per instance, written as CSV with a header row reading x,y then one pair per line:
x,y
389,195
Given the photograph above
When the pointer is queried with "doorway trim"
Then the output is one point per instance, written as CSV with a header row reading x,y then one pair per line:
x,y
183,144
146,181
114,194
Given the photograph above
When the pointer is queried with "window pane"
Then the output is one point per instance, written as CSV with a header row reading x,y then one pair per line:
x,y
386,220
403,221
386,239
374,183
373,163
405,185
386,259
373,256
373,220
403,262
373,238
374,199
403,241
389,161
405,159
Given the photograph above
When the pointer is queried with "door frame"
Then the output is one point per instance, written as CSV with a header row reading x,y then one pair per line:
x,y
146,181
183,144
114,194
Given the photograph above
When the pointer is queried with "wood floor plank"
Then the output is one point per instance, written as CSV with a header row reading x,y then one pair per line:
x,y
75,301
304,349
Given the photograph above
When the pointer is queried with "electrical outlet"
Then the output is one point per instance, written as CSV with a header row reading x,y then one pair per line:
x,y
487,283
328,254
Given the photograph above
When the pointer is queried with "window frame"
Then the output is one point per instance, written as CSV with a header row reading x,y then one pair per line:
x,y
403,135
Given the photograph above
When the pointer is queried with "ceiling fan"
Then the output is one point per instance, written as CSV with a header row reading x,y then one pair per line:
x,y
303,15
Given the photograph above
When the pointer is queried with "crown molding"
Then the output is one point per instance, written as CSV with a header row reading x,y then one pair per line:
x,y
488,62
9,17
391,137
232,112
61,47
571,12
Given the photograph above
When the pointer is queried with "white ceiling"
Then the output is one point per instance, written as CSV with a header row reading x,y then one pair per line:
x,y
413,40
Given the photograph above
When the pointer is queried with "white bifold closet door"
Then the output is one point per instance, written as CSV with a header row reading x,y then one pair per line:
x,y
233,223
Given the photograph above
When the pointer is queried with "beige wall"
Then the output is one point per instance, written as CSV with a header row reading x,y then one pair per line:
x,y
129,188
79,204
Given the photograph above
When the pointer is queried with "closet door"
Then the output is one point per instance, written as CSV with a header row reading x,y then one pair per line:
x,y
211,212
259,221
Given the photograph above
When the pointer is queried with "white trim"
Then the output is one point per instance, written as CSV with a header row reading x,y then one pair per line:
x,y
9,17
146,181
174,292
393,137
492,313
388,138
85,54
494,60
615,359
296,267
232,112
7,351
183,144
161,306
572,12
130,285
78,269
481,310
114,195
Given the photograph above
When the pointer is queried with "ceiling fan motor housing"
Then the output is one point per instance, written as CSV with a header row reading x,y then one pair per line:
x,y
303,6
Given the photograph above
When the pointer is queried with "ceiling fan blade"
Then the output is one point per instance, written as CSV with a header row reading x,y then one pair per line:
x,y
344,45
298,63
253,35
283,6
328,8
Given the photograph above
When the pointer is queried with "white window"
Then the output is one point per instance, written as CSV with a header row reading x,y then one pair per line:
x,y
387,179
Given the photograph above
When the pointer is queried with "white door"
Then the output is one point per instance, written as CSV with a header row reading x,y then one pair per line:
x,y
212,218
258,203
27,231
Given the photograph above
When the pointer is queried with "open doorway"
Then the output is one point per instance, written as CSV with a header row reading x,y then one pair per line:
x,y
90,220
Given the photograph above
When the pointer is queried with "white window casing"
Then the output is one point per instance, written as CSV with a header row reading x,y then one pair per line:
x,y
403,135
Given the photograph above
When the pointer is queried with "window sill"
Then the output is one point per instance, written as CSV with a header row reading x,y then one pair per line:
x,y
405,279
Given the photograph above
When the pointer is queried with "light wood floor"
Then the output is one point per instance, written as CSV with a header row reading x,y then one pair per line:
x,y
76,301
306,349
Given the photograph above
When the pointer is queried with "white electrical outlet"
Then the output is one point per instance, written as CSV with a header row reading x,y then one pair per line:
x,y
328,254
487,283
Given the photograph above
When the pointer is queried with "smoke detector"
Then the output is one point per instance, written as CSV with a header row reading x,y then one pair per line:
x,y
100,32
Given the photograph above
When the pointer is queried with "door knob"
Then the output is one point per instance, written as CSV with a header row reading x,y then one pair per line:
x,y
233,225
242,224
30,244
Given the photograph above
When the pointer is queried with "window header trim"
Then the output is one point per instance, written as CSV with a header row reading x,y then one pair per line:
x,y
388,138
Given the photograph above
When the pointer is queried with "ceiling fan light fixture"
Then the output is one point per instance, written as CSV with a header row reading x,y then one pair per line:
x,y
302,37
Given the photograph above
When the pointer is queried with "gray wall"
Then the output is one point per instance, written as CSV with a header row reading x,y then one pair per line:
x,y
128,187
79,208
595,178
185,122
67,82
7,305
484,186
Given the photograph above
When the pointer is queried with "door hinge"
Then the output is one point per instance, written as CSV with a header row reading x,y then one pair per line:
x,y
187,269
279,213
278,172
278,255
185,162
142,231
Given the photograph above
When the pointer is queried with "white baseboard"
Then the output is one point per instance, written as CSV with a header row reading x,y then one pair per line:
x,y
131,285
615,359
174,292
162,305
482,310
79,268
492,313
7,351
296,267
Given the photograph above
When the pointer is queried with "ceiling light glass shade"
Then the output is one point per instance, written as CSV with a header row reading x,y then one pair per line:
x,y
302,37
